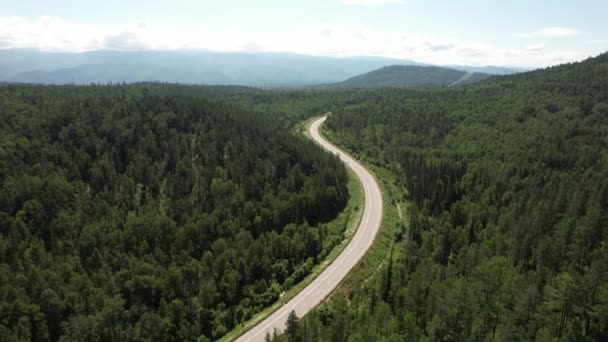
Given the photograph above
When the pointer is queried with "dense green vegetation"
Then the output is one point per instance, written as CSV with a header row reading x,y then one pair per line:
x,y
148,213
410,76
507,236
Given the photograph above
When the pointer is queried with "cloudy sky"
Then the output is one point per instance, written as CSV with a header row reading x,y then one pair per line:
x,y
491,32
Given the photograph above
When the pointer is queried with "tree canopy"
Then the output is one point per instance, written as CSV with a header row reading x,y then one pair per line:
x,y
147,213
507,235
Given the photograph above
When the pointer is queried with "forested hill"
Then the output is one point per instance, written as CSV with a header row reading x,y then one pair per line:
x,y
409,76
126,215
506,236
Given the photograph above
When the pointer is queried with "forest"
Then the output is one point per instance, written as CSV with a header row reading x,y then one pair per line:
x,y
153,212
507,231
167,212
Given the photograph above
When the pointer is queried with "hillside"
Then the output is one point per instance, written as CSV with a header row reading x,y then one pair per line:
x,y
505,235
409,76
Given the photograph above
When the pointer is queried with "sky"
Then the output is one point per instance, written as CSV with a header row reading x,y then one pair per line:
x,y
512,33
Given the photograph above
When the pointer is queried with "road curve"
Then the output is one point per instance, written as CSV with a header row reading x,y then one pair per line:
x,y
330,278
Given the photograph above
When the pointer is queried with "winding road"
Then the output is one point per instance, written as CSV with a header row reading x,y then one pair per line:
x,y
330,278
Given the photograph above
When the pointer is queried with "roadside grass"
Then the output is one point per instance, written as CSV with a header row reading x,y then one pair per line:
x,y
303,127
346,222
392,228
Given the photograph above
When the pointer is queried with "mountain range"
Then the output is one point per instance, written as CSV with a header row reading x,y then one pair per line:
x,y
194,67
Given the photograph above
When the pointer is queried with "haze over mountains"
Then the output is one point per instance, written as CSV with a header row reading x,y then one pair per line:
x,y
194,67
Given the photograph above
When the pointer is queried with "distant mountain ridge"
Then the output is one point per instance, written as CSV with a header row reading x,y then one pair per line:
x,y
194,67
408,76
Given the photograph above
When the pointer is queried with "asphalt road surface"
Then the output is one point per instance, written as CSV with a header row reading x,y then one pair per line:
x,y
330,278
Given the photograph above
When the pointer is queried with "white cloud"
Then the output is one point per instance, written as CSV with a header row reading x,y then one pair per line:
x,y
358,35
126,40
326,32
550,32
536,48
588,42
251,47
370,3
440,47
54,34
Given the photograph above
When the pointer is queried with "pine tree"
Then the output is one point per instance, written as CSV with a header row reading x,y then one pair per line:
x,y
292,326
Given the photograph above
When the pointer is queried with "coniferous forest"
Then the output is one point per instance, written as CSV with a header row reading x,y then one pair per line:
x,y
167,212
506,237
136,213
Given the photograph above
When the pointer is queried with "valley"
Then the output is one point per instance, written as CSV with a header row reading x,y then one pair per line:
x,y
303,171
310,296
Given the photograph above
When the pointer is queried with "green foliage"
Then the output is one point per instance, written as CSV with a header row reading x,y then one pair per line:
x,y
291,327
148,213
507,181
